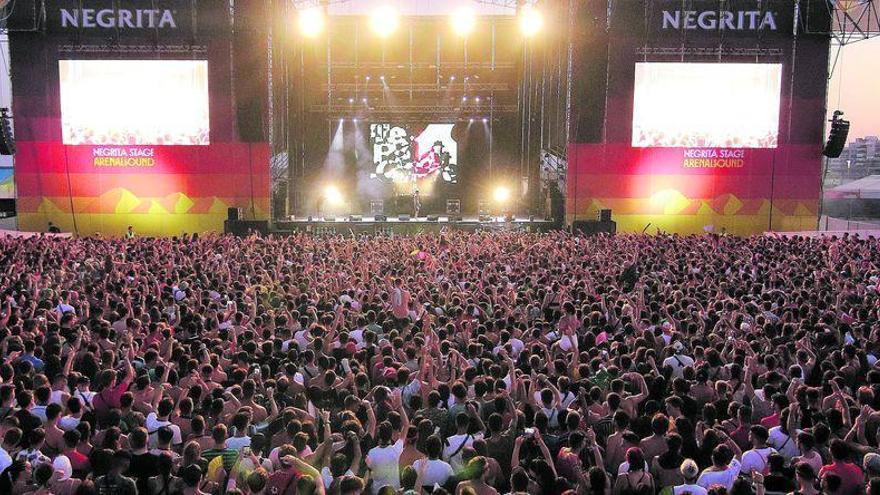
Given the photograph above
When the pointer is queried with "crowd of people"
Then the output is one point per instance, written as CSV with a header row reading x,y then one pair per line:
x,y
466,363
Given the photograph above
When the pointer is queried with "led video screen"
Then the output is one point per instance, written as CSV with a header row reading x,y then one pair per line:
x,y
134,102
403,153
711,105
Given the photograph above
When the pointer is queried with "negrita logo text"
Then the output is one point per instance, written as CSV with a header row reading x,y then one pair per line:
x,y
118,18
710,20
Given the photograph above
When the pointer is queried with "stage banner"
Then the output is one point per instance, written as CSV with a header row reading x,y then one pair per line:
x,y
713,120
125,114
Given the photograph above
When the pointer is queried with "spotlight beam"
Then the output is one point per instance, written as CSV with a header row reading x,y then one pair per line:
x,y
531,21
311,22
384,21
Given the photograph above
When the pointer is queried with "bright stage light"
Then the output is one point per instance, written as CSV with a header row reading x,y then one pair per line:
x,y
384,21
463,21
333,195
311,22
530,21
501,194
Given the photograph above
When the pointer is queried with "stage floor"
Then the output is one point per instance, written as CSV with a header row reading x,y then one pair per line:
x,y
398,225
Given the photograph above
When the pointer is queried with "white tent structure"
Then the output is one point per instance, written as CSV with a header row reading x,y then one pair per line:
x,y
864,188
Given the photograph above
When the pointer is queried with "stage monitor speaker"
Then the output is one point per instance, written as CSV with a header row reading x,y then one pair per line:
x,y
433,218
233,213
381,218
485,218
355,218
594,227
243,228
403,218
836,136
456,218
604,215
7,140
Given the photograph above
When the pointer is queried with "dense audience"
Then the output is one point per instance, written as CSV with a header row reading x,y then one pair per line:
x,y
467,363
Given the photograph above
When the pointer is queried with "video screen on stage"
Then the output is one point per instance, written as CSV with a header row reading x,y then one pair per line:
x,y
407,153
134,102
711,105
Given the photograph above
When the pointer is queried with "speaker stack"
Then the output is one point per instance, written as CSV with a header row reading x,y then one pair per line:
x,y
603,224
239,227
836,136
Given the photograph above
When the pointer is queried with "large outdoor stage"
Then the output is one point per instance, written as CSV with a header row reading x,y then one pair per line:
x,y
397,226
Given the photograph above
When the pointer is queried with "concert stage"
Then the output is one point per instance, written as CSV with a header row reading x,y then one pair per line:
x,y
398,226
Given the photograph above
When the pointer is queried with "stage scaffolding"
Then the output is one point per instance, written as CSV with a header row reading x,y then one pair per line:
x,y
522,86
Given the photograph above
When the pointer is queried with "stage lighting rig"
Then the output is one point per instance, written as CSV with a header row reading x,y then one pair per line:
x,y
384,21
332,195
311,22
530,21
463,21
501,194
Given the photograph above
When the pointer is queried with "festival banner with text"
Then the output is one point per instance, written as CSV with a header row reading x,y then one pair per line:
x,y
713,121
124,115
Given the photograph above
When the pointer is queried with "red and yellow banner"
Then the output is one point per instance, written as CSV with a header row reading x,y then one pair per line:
x,y
159,190
695,190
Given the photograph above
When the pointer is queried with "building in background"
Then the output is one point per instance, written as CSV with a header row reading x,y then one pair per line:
x,y
860,158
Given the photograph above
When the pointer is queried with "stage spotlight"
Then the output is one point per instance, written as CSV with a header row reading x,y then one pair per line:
x,y
351,100
384,21
332,195
464,99
367,78
530,20
485,120
311,22
382,78
355,121
365,101
470,121
501,194
477,99
452,78
463,21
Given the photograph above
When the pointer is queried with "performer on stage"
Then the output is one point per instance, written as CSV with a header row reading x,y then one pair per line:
x,y
319,207
417,204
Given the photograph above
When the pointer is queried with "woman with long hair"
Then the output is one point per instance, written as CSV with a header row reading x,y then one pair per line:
x,y
666,468
165,483
635,481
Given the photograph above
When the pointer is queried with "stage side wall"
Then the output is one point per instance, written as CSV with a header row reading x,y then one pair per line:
x,y
172,189
756,189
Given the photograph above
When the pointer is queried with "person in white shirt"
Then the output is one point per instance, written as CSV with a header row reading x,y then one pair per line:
x,y
690,471
756,459
357,335
157,420
783,441
12,436
384,460
678,361
723,471
455,444
437,471
240,439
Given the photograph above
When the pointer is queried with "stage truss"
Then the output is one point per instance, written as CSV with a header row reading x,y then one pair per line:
x,y
851,20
